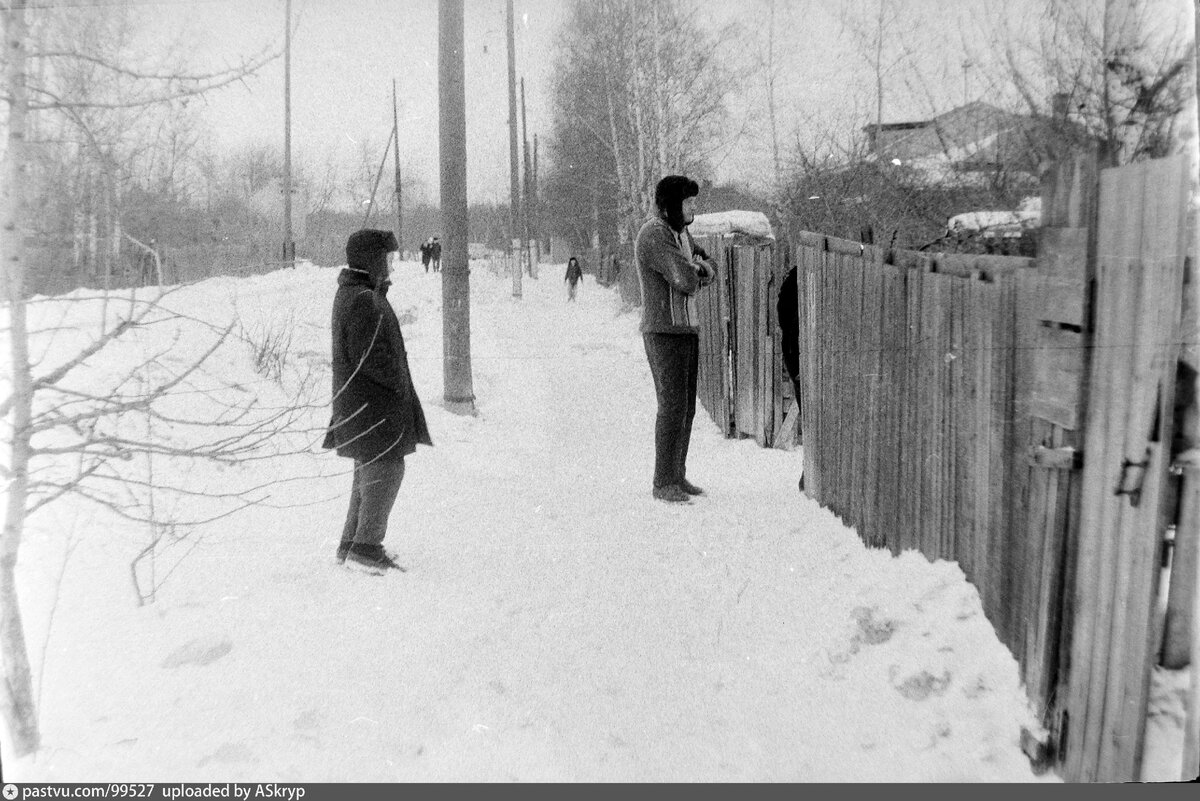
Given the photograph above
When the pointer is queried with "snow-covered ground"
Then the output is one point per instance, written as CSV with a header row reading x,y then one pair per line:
x,y
555,622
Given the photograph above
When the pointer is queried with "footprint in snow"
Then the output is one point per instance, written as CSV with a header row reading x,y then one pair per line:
x,y
921,685
228,753
200,651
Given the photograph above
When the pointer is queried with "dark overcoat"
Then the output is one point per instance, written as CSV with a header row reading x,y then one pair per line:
x,y
376,411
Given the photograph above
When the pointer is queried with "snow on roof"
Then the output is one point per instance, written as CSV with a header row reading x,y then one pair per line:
x,y
728,223
995,223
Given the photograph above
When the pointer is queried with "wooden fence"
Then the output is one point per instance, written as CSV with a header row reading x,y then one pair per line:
x,y
1011,414
740,382
986,410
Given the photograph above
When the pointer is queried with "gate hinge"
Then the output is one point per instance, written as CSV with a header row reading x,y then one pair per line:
x,y
1133,475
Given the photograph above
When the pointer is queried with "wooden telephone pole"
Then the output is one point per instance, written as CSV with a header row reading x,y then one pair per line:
x,y
396,152
289,246
514,191
528,175
459,394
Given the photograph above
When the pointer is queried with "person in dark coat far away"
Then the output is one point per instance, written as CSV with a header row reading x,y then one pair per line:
x,y
435,254
377,417
425,254
671,268
573,277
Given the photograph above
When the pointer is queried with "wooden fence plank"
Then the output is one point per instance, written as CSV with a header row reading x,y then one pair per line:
x,y
1116,342
1003,339
952,383
1118,744
912,435
964,425
873,315
981,312
1189,519
932,353
818,297
1099,479
1162,247
891,359
856,386
808,280
841,412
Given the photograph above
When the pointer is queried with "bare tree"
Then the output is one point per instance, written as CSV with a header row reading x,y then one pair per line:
x,y
1123,68
16,689
49,418
641,92
881,31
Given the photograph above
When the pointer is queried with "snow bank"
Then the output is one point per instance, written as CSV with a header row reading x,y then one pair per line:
x,y
727,223
556,623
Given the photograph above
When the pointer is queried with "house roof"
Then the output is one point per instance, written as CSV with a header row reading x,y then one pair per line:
x,y
976,134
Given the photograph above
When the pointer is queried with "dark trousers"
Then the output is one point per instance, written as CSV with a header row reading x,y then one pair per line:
x,y
674,363
372,495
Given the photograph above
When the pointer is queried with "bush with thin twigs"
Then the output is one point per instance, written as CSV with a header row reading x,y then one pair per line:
x,y
270,346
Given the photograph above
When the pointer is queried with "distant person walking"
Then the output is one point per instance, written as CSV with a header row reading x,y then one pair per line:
x,y
435,254
425,253
574,276
377,417
671,269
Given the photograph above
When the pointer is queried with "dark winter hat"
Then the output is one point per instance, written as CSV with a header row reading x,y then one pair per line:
x,y
364,247
669,195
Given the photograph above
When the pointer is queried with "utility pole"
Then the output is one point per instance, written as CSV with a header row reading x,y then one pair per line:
x,y
289,247
525,184
535,212
399,194
514,192
458,393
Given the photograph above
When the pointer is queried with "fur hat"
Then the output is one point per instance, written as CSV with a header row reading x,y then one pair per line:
x,y
669,195
364,247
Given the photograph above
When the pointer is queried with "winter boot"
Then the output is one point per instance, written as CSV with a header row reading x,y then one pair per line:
x,y
371,557
671,493
690,488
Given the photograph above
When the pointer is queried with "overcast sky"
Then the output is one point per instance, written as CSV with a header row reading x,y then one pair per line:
x,y
346,53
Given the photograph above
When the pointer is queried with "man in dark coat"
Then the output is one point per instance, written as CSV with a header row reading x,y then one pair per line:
x,y
435,254
377,417
671,268
573,277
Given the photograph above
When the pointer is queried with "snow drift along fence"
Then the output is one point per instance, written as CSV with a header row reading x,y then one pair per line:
x,y
990,411
917,431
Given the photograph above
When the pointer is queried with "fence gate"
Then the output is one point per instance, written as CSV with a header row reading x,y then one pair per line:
x,y
1139,261
713,307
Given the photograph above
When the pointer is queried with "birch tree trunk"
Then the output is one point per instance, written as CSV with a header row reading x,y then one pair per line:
x,y
16,686
661,121
771,98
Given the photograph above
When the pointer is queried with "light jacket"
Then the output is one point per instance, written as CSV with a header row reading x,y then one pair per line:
x,y
669,278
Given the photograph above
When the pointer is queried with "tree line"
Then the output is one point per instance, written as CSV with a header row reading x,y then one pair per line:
x,y
645,88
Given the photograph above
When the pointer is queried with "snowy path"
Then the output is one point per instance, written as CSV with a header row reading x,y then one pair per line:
x,y
556,623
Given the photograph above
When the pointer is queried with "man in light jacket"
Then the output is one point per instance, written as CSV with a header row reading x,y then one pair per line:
x,y
671,269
